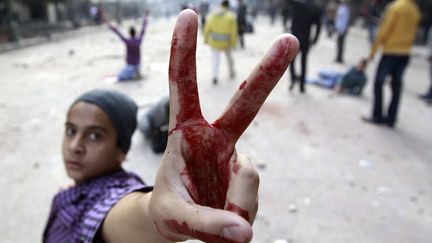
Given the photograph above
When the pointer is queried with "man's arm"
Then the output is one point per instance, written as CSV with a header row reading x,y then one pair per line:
x,y
144,26
129,221
317,22
116,31
384,30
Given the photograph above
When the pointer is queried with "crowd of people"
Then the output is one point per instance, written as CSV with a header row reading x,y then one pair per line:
x,y
108,204
392,30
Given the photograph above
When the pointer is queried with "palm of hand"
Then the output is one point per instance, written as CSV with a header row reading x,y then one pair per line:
x,y
206,151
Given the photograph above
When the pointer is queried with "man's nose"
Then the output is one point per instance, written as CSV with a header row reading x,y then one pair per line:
x,y
77,144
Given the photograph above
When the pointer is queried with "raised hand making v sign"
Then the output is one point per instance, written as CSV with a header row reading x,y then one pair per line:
x,y
205,189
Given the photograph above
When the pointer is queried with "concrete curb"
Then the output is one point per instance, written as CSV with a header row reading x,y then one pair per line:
x,y
28,42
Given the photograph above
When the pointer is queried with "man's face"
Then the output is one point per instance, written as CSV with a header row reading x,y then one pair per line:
x,y
90,143
361,66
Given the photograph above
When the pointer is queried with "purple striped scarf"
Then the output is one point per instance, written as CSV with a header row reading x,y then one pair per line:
x,y
77,213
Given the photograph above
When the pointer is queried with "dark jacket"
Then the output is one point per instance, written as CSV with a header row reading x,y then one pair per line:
x,y
241,18
305,14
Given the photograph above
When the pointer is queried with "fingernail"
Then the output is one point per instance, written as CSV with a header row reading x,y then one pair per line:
x,y
234,234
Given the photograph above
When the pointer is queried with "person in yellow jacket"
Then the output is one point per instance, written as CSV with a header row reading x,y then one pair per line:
x,y
220,32
396,36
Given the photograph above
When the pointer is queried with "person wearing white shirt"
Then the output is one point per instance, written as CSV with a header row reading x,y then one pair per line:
x,y
341,26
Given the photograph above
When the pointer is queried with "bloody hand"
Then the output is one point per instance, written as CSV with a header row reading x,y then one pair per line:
x,y
204,188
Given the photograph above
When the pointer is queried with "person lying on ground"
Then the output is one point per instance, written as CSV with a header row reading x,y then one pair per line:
x,y
353,81
154,125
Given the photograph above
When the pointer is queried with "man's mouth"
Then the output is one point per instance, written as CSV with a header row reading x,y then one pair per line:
x,y
73,165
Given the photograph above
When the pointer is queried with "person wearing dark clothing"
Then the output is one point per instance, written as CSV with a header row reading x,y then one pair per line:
x,y
395,37
241,21
373,18
203,11
353,81
428,96
330,15
427,21
272,9
133,52
305,14
286,14
154,125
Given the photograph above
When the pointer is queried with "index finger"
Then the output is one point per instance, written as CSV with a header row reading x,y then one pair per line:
x,y
184,99
252,93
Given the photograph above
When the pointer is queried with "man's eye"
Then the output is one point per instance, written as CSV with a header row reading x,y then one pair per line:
x,y
94,136
70,131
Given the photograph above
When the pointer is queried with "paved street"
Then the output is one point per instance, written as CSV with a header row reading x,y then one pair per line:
x,y
325,175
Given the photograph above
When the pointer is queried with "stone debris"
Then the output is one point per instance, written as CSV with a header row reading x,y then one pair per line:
x,y
375,203
293,208
261,164
382,190
21,65
420,211
36,165
281,241
365,163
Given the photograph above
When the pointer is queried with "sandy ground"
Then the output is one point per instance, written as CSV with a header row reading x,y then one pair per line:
x,y
325,175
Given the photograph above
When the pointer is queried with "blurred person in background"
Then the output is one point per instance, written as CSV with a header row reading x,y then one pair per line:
x,y
154,125
241,21
428,96
203,11
133,50
427,20
330,16
97,13
272,9
305,15
220,32
286,14
395,37
354,80
350,82
373,18
341,25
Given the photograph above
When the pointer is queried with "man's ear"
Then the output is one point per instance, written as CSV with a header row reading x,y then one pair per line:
x,y
121,156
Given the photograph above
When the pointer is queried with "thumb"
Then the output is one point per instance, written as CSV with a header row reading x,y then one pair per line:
x,y
180,221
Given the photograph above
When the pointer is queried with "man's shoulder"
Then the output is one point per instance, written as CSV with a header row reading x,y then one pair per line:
x,y
404,7
78,212
400,5
230,14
